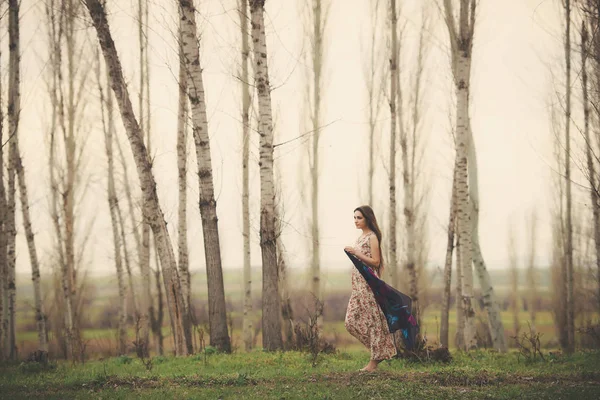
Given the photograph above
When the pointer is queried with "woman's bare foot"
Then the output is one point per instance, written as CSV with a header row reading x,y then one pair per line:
x,y
371,366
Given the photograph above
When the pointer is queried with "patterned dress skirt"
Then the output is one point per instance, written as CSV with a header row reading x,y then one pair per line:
x,y
364,319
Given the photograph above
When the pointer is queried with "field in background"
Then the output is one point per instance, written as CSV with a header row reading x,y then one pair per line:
x,y
100,309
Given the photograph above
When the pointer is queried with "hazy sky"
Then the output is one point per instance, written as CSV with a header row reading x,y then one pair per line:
x,y
516,42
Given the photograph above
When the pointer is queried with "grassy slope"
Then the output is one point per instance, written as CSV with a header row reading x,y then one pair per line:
x,y
291,376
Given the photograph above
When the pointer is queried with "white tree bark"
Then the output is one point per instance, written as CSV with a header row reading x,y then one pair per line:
x,y
461,41
271,322
531,272
14,108
247,334
153,211
217,312
460,311
514,282
40,317
144,113
394,79
182,115
445,323
409,142
487,291
569,245
319,20
113,204
374,92
591,171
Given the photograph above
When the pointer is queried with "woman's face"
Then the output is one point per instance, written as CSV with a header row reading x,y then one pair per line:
x,y
359,220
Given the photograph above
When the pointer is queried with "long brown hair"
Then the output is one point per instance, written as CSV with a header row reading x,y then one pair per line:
x,y
369,215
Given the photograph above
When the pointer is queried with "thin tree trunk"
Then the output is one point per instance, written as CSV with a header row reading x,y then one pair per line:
x,y
113,204
531,273
144,244
271,322
153,212
40,316
247,334
460,312
287,313
444,330
487,291
182,240
394,79
14,109
569,246
461,40
217,311
409,166
156,320
3,260
319,21
514,281
588,148
142,311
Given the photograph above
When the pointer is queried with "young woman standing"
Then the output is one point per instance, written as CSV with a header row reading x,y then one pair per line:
x,y
364,319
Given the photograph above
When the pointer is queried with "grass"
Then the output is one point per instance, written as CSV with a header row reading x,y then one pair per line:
x,y
289,375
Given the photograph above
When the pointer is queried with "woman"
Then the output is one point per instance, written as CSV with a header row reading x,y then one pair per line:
x,y
364,319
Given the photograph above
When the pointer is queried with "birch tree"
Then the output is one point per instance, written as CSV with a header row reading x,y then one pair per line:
x,y
590,48
411,145
461,34
271,321
531,272
445,325
15,107
318,23
3,260
514,281
246,103
568,274
143,242
69,63
152,211
219,337
113,204
372,79
182,241
487,290
394,80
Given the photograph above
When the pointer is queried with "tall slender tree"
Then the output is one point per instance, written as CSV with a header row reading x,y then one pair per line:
x,y
531,271
318,22
113,204
568,273
15,107
372,78
487,290
182,241
144,118
152,212
394,80
271,321
246,103
461,34
445,323
217,314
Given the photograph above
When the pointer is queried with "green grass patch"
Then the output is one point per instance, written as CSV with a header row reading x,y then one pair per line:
x,y
289,375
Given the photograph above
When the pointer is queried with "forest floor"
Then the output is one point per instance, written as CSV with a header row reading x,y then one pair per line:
x,y
291,375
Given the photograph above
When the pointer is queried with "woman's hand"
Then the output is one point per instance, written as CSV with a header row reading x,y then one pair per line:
x,y
350,250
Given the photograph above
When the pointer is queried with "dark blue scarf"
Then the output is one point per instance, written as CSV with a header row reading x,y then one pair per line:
x,y
396,306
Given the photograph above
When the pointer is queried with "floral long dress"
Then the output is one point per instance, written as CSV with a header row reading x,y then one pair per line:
x,y
364,319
